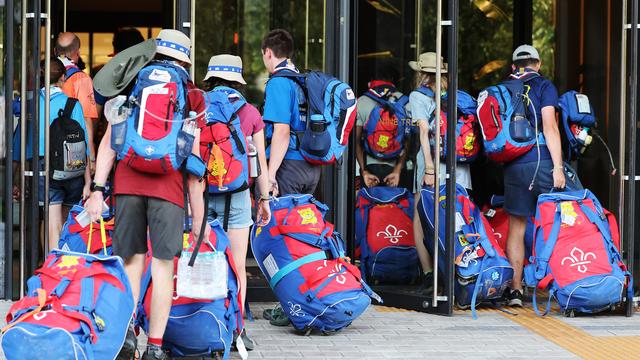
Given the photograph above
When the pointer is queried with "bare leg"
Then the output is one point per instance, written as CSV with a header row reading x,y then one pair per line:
x,y
161,296
134,266
239,239
418,235
515,248
55,225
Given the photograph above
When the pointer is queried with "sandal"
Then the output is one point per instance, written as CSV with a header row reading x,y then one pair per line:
x,y
276,316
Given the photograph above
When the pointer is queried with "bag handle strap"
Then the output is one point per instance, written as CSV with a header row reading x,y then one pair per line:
x,y
543,259
103,236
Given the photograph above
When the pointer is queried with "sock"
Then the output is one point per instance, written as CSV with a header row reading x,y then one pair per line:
x,y
155,341
427,272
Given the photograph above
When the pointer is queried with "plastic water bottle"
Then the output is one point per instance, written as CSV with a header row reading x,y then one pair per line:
x,y
187,135
117,113
254,166
207,279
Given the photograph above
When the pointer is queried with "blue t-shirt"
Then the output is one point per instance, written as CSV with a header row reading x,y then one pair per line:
x,y
58,101
281,106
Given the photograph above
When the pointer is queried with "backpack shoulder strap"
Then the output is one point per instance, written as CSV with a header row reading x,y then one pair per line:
x,y
69,106
425,91
542,259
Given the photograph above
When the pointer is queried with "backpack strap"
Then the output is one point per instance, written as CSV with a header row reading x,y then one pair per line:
x,y
425,91
542,260
319,255
68,108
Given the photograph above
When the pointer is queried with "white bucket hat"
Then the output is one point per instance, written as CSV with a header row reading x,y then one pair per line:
x,y
175,44
427,63
227,67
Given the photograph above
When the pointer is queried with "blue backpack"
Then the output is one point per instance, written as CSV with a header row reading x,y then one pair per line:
x,y
151,140
223,145
330,109
482,270
576,254
198,327
305,262
386,127
507,128
384,235
468,143
77,306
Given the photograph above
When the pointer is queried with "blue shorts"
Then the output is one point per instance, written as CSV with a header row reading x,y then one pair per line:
x,y
239,209
65,192
518,199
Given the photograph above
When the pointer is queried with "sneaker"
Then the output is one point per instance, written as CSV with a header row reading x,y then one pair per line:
x,y
426,284
515,298
130,345
154,353
249,344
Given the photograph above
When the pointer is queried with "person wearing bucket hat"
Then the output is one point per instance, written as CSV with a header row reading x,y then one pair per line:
x,y
543,163
224,74
289,173
423,106
149,203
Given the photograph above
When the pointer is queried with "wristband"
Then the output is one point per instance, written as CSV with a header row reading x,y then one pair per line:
x,y
558,168
265,197
429,173
97,187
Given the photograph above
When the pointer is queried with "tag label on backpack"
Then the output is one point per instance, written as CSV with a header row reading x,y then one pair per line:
x,y
350,95
270,265
582,102
459,222
160,75
568,214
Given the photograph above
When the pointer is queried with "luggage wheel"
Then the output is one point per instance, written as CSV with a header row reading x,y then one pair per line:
x,y
570,313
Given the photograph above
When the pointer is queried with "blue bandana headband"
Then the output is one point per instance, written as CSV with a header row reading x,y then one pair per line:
x,y
172,45
234,69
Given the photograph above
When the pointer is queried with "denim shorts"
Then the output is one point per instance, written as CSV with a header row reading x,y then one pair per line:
x,y
66,192
518,199
239,209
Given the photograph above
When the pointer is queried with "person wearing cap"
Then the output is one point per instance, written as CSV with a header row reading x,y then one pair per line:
x,y
78,84
543,163
423,109
148,203
224,72
376,171
289,173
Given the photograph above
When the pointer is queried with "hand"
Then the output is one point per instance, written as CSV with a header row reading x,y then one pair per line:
x,y
264,213
16,192
94,205
196,232
429,179
369,179
392,179
559,182
273,186
86,191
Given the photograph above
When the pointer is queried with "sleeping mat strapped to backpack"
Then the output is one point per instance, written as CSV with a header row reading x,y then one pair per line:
x,y
482,271
576,254
384,235
305,263
77,306
198,327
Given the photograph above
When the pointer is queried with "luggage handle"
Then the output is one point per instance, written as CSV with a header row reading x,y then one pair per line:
x,y
103,236
42,300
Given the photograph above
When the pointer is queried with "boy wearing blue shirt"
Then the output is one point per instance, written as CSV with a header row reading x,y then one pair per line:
x,y
540,170
63,194
289,173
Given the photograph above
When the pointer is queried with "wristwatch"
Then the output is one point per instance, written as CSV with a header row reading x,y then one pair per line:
x,y
98,187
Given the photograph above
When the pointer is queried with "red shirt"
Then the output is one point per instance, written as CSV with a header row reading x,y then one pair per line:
x,y
166,187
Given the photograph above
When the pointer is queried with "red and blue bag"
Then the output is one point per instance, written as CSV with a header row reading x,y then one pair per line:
x,y
223,146
385,129
507,127
198,327
152,139
74,237
468,144
77,306
482,270
305,263
576,254
384,235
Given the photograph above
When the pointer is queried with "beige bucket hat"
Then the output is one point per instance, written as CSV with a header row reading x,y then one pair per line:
x,y
427,63
175,44
227,67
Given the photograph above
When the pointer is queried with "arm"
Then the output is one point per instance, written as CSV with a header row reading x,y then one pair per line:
x,y
393,179
279,146
264,211
426,153
104,162
368,178
196,195
552,137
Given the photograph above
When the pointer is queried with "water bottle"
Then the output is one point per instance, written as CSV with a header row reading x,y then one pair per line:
x,y
186,136
520,128
254,166
316,140
117,113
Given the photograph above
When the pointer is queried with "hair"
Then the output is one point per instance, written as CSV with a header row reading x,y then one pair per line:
x,y
280,42
73,46
429,80
387,72
125,38
526,63
214,82
163,57
56,70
